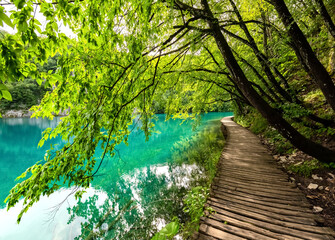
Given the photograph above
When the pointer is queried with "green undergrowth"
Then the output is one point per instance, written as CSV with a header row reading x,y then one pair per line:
x,y
306,168
258,125
203,149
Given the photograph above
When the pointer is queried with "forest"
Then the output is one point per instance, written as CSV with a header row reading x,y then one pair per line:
x,y
268,59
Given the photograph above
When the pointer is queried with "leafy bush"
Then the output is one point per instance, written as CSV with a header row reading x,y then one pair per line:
x,y
194,202
253,120
25,94
167,232
28,92
306,168
203,149
194,205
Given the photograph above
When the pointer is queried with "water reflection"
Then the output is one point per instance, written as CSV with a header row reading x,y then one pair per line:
x,y
46,220
128,209
133,192
137,203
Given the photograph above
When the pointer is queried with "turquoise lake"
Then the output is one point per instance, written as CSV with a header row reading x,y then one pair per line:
x,y
139,175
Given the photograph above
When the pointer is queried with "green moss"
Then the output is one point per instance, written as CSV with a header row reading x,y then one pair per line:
x,y
306,168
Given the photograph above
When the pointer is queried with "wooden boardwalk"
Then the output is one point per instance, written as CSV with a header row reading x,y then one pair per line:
x,y
253,199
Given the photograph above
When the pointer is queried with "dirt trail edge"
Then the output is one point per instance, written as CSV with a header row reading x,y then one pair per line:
x,y
252,197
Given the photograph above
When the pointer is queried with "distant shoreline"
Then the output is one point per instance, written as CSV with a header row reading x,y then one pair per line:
x,y
23,113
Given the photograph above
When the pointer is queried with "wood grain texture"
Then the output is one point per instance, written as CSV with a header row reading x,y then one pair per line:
x,y
252,197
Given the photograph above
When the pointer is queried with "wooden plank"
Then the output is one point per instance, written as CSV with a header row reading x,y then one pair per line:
x,y
257,193
282,187
252,194
303,227
273,214
227,206
266,200
249,175
258,179
251,227
249,165
208,230
201,236
255,187
273,227
236,230
230,168
288,185
248,201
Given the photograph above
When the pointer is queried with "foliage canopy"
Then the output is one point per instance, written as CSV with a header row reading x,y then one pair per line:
x,y
127,54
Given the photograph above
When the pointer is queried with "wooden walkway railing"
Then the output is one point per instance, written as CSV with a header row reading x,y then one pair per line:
x,y
252,197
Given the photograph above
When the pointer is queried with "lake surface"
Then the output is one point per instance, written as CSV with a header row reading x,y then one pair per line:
x,y
138,176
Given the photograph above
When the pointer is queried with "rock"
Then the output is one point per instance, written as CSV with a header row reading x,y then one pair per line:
x,y
16,114
299,184
331,175
330,180
327,188
317,209
282,159
292,179
320,188
312,186
316,177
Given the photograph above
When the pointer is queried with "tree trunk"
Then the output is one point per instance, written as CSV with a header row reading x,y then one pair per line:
x,y
305,53
274,118
326,17
260,77
262,59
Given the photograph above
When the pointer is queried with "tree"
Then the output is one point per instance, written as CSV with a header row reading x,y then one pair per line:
x,y
128,54
305,53
326,17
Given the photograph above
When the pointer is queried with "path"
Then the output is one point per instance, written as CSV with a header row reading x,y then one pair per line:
x,y
252,197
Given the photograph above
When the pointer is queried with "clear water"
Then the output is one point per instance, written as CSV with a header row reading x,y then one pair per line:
x,y
139,172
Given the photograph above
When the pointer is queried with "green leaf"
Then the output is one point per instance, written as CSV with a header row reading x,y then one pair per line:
x,y
6,94
39,81
23,175
19,3
6,19
41,143
3,87
168,232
